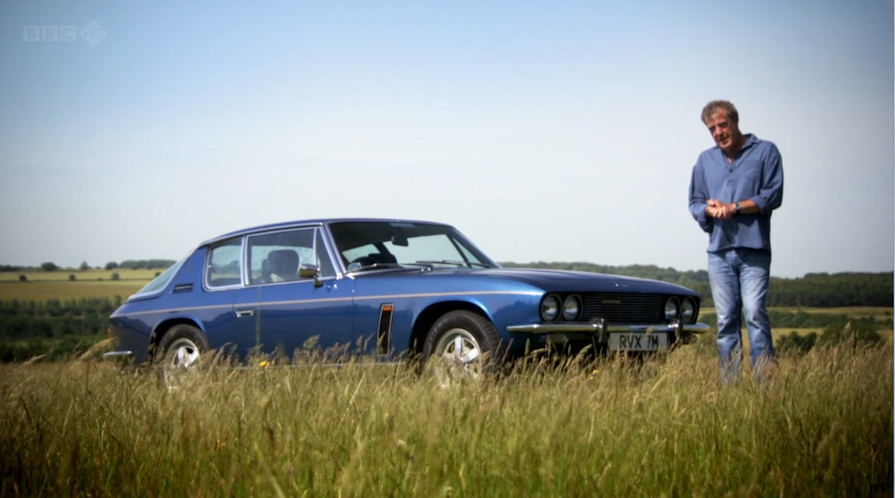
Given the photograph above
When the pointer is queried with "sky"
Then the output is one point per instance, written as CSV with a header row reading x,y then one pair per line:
x,y
544,131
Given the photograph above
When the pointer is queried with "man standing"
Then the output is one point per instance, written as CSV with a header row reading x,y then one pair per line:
x,y
734,188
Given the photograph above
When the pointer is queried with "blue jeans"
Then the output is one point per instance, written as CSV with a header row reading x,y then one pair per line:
x,y
739,279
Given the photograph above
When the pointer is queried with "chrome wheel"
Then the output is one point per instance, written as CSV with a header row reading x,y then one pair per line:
x,y
182,349
459,351
460,345
183,354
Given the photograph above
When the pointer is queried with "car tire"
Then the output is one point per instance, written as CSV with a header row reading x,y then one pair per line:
x,y
461,344
180,351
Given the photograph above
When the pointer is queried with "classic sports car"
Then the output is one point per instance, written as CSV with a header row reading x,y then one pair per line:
x,y
392,289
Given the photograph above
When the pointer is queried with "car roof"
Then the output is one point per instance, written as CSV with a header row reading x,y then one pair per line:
x,y
313,222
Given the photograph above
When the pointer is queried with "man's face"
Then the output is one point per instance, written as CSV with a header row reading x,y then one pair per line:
x,y
724,131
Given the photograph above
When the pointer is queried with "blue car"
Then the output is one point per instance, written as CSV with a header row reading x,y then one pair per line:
x,y
390,289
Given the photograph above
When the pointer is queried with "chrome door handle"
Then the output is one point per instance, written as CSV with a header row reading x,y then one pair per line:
x,y
244,313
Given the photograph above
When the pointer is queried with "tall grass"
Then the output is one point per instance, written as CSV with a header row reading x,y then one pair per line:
x,y
821,426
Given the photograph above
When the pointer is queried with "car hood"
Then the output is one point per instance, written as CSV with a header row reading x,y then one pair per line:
x,y
574,281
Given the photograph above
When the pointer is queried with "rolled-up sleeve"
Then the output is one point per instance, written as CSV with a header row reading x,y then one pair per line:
x,y
698,198
770,193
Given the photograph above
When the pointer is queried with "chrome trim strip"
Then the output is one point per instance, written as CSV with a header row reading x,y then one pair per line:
x,y
455,293
549,328
334,299
176,310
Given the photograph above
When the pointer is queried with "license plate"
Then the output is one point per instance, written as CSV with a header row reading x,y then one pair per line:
x,y
636,341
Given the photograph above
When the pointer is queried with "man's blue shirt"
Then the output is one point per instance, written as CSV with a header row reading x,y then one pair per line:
x,y
757,174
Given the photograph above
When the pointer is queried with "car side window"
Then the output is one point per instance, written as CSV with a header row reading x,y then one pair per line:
x,y
277,256
224,264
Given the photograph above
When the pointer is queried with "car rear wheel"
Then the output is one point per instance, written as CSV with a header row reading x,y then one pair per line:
x,y
181,350
461,344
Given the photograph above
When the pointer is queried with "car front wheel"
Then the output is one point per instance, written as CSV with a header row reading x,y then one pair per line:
x,y
461,344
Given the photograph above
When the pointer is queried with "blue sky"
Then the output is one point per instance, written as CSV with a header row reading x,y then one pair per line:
x,y
545,131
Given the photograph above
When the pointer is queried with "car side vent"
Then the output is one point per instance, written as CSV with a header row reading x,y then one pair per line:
x,y
183,288
384,331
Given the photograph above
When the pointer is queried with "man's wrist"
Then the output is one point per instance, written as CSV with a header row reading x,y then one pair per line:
x,y
738,208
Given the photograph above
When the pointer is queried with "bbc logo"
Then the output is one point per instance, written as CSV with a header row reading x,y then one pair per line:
x,y
92,34
51,33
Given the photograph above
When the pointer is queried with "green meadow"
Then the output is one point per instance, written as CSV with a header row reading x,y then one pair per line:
x,y
820,426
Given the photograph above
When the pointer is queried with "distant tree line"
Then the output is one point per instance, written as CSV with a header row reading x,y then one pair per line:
x,y
140,264
128,264
838,289
814,289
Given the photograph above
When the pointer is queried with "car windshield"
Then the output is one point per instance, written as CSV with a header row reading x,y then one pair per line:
x,y
371,244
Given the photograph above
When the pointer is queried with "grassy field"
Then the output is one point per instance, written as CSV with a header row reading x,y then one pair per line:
x,y
63,290
853,312
45,285
92,274
821,426
879,313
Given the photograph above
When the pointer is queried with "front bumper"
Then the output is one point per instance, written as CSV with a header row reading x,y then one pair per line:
x,y
601,329
122,356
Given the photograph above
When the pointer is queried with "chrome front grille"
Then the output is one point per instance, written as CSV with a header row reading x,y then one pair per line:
x,y
624,308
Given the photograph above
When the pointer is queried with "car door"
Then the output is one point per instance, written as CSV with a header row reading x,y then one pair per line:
x,y
297,311
229,312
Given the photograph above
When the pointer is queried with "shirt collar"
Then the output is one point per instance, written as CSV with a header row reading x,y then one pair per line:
x,y
751,140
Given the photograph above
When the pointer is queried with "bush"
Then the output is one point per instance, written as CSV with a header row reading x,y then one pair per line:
x,y
859,332
55,318
856,333
796,344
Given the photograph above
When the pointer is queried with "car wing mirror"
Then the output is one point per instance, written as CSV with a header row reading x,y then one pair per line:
x,y
310,271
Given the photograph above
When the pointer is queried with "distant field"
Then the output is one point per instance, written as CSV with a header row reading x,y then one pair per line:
x,y
877,312
44,285
58,275
62,290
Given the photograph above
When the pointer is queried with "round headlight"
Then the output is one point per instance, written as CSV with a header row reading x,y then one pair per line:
x,y
688,310
671,306
571,308
549,308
